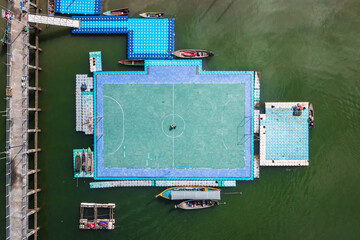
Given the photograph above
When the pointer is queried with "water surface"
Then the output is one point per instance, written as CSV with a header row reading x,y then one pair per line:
x,y
305,51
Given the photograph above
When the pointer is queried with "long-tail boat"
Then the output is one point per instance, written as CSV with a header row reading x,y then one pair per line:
x,y
77,162
152,15
117,12
197,204
194,193
132,62
311,116
89,161
192,53
83,160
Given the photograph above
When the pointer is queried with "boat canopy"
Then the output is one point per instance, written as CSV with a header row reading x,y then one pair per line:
x,y
195,195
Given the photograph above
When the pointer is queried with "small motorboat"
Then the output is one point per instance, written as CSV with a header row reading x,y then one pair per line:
x,y
117,12
152,15
77,162
89,161
192,53
197,204
132,62
83,161
311,116
195,193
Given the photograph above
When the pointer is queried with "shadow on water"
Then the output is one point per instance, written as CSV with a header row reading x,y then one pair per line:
x,y
226,9
207,10
53,35
3,50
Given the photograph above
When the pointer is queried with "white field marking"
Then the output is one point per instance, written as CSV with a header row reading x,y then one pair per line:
x,y
162,126
122,110
224,144
231,97
173,164
173,102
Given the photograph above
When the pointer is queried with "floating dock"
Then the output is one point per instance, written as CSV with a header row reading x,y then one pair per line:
x,y
84,7
84,104
89,166
132,145
147,38
97,216
284,137
95,61
161,183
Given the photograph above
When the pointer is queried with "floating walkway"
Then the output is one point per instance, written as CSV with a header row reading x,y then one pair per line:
x,y
147,38
95,61
82,7
161,183
84,104
284,137
89,166
57,21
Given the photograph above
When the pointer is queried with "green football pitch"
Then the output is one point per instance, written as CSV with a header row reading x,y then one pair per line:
x,y
209,120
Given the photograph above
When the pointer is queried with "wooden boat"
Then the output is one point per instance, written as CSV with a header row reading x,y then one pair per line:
x,y
83,160
152,15
192,53
77,162
132,62
311,116
89,161
197,204
117,12
195,193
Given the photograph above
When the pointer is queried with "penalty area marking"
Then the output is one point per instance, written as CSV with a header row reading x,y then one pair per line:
x,y
122,110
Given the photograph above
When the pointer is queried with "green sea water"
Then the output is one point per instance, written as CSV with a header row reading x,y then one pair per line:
x,y
305,50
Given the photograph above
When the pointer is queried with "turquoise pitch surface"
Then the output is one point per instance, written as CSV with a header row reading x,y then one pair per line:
x,y
209,120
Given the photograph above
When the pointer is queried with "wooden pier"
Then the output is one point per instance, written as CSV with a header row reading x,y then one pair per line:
x,y
101,216
21,201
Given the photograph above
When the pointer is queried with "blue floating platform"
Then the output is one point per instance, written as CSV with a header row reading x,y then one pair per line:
x,y
172,88
85,7
95,61
147,38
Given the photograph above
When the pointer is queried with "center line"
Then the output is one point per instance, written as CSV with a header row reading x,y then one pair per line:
x,y
173,123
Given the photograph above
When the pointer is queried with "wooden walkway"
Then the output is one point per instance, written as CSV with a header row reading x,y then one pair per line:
x,y
19,157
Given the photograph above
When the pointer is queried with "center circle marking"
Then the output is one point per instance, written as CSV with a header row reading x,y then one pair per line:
x,y
173,119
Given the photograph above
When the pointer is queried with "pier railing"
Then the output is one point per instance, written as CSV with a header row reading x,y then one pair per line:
x,y
8,124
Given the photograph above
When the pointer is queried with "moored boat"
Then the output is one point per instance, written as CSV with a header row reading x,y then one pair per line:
x,y
152,15
311,116
117,12
132,62
83,160
192,53
89,161
77,162
197,204
194,193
